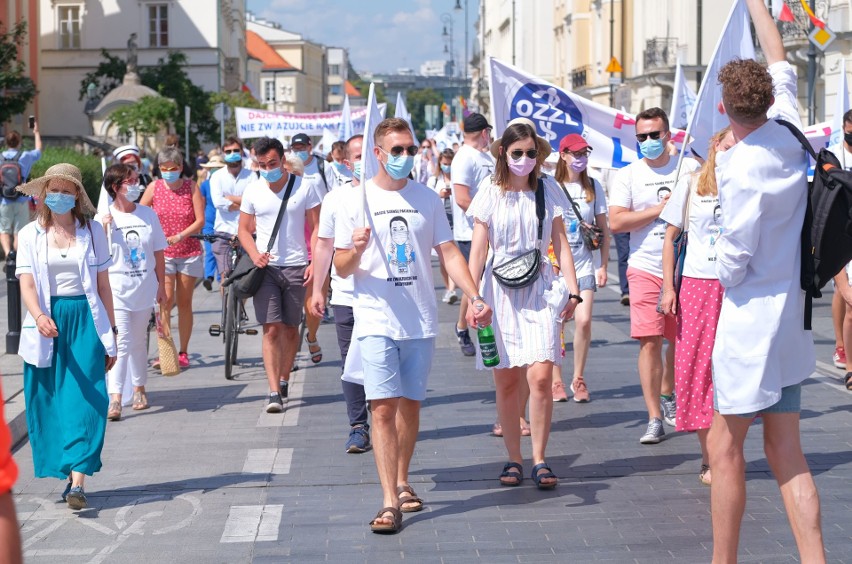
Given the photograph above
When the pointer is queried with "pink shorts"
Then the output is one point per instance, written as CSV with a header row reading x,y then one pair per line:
x,y
644,295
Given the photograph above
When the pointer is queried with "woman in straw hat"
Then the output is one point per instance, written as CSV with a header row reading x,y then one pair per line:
x,y
525,324
68,336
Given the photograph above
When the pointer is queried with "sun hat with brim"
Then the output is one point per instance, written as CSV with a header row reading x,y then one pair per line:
x,y
215,162
543,147
63,171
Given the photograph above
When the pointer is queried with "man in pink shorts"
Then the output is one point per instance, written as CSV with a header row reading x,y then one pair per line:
x,y
638,195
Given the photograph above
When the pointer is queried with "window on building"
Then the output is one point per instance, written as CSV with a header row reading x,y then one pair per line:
x,y
269,91
334,70
158,25
335,90
69,27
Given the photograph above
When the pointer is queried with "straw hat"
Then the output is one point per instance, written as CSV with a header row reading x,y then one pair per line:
x,y
215,161
64,171
543,146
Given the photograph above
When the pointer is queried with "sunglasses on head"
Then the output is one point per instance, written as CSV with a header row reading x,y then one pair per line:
x,y
518,153
399,150
652,134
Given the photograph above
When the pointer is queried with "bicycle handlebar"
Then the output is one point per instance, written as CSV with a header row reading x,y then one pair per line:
x,y
213,237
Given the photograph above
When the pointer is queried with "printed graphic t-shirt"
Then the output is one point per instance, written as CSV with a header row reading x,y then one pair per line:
x,y
638,187
584,264
134,238
705,226
394,290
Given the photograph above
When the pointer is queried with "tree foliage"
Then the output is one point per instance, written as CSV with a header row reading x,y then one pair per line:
x,y
147,117
106,77
416,102
233,100
16,88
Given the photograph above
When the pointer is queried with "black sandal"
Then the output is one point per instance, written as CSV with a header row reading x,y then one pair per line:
x,y
537,478
513,471
411,498
384,528
849,380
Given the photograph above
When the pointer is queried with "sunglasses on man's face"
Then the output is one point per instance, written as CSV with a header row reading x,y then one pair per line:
x,y
399,150
230,151
518,153
652,134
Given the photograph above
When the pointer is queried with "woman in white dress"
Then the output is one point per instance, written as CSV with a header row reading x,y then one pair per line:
x,y
526,327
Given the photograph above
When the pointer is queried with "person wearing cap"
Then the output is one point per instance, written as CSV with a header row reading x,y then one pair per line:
x,y
214,163
639,193
585,195
128,155
10,533
68,334
471,165
526,328
137,276
15,213
226,191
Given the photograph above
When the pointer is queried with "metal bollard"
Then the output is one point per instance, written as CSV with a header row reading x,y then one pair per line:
x,y
13,297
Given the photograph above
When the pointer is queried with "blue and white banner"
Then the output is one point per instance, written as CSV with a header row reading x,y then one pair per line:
x,y
557,113
841,105
260,123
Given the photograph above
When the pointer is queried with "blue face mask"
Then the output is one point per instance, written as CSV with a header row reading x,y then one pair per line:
x,y
652,148
133,192
233,158
341,168
170,176
399,167
445,169
60,203
272,176
356,169
303,155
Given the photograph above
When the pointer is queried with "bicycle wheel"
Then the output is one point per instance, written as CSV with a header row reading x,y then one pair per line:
x,y
230,332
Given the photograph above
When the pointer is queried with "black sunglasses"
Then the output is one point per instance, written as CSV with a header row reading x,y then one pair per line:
x,y
518,153
230,151
652,134
398,150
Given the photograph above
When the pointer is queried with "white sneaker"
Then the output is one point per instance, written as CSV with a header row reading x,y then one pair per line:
x,y
450,297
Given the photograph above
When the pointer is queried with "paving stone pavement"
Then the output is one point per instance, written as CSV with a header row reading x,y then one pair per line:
x,y
206,476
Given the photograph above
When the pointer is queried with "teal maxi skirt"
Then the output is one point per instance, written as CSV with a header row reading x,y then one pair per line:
x,y
67,402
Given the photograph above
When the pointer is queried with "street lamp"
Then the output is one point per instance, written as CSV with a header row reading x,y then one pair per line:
x,y
447,20
459,8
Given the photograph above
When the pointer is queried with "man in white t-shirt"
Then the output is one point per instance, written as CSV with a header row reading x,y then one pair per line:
x,y
395,306
315,168
762,352
843,152
226,192
471,165
338,173
279,302
638,195
342,298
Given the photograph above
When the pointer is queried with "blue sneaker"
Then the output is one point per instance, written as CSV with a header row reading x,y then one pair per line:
x,y
359,440
67,490
77,498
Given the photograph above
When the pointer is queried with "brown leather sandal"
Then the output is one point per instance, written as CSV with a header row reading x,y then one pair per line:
x,y
140,401
410,498
384,528
114,413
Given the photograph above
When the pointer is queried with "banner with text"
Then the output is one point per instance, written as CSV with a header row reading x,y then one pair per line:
x,y
260,123
557,113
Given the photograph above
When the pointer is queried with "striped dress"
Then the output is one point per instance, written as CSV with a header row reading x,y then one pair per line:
x,y
525,327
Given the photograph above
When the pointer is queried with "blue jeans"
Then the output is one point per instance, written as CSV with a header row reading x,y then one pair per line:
x,y
622,249
210,270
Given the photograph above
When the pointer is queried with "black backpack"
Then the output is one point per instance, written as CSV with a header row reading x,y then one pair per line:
x,y
827,230
10,176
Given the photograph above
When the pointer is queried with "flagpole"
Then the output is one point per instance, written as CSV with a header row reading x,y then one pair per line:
x,y
367,131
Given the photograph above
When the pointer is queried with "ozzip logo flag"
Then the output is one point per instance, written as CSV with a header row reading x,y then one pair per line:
x,y
557,113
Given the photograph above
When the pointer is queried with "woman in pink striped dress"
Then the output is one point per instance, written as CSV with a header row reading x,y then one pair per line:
x,y
179,205
526,327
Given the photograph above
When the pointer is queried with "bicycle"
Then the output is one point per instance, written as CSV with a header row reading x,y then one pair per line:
x,y
233,311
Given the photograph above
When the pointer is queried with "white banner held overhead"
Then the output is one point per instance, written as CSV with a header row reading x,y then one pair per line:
x,y
683,100
260,123
346,130
557,113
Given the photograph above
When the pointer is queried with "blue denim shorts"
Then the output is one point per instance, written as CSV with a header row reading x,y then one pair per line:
x,y
790,402
587,283
396,368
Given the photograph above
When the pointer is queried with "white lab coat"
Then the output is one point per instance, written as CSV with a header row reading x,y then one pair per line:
x,y
761,345
32,259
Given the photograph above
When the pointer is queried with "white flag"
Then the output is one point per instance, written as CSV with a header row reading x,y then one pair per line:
x,y
735,42
403,113
346,129
841,106
369,162
683,100
556,113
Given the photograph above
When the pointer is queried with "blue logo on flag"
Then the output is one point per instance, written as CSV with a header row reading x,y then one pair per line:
x,y
553,112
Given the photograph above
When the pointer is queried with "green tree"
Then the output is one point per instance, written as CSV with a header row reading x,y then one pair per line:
x,y
16,89
146,117
106,77
416,102
233,100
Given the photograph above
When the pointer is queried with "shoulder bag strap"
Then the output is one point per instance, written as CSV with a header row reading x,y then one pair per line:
x,y
278,219
684,226
539,206
573,204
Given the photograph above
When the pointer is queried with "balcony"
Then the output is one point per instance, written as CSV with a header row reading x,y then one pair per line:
x,y
660,53
795,33
581,77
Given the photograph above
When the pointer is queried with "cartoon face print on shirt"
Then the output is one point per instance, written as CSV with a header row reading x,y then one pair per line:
x,y
400,250
716,230
134,255
662,192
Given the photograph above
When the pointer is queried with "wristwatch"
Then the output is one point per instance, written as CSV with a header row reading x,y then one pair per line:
x,y
575,297
477,299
